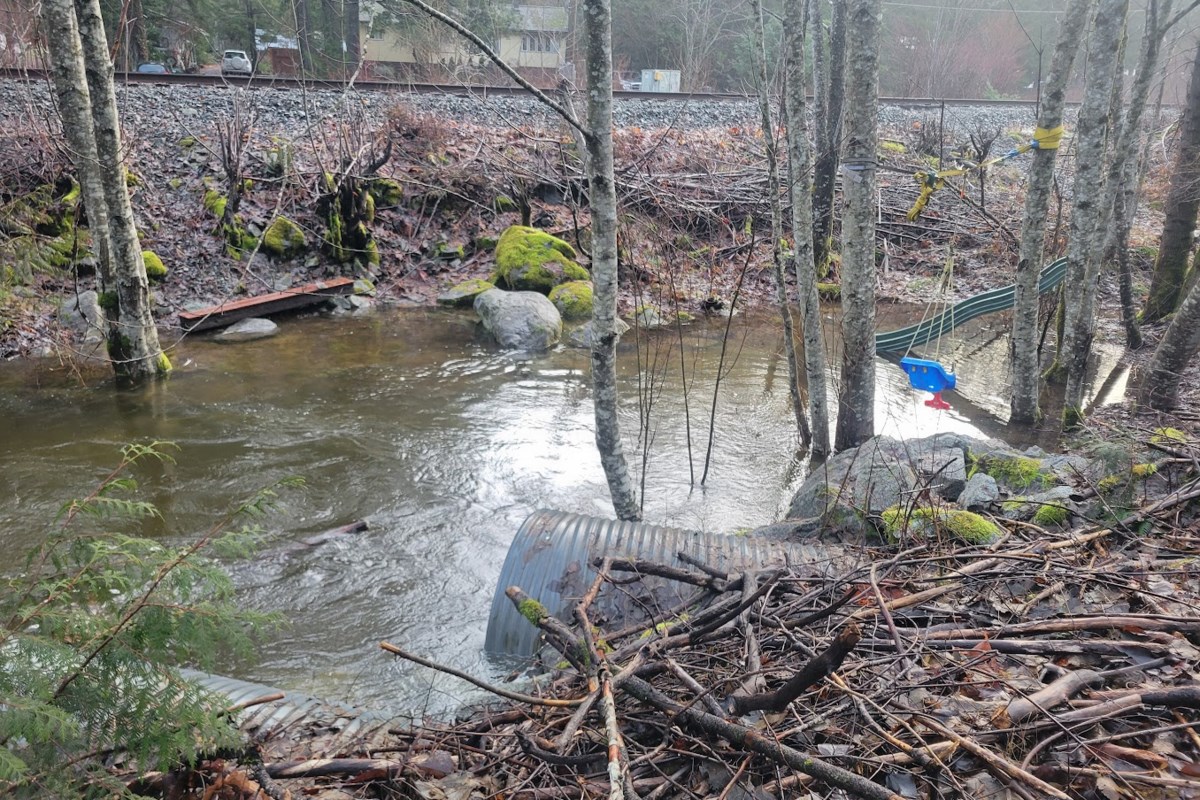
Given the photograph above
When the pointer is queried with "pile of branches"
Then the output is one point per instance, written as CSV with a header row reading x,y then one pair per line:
x,y
1046,666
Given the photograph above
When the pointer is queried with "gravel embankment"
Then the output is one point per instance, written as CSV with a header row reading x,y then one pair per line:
x,y
179,110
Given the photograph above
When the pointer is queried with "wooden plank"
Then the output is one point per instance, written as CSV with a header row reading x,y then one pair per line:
x,y
263,305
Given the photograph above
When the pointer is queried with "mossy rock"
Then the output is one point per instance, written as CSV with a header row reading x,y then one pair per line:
x,y
463,294
573,300
385,192
283,238
485,244
1051,515
924,522
1016,472
503,203
892,147
531,260
155,269
829,291
214,203
1168,436
450,252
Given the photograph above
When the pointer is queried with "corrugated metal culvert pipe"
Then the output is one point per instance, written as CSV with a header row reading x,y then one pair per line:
x,y
552,554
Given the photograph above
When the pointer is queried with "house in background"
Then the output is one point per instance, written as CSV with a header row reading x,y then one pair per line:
x,y
533,40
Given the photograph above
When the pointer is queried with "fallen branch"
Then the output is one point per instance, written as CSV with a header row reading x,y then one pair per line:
x,y
814,670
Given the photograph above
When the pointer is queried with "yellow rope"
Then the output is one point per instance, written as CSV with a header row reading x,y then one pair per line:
x,y
930,182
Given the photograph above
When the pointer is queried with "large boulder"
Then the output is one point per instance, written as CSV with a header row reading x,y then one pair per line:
x,y
519,320
585,335
531,260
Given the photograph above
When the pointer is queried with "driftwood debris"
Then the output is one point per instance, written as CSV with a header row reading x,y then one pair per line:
x,y
225,314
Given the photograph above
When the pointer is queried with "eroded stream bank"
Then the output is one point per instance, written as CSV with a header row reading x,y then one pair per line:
x,y
410,420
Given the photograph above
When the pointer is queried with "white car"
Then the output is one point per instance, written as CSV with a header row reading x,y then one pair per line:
x,y
236,62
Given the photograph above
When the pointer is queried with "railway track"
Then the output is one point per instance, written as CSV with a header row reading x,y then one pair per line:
x,y
287,83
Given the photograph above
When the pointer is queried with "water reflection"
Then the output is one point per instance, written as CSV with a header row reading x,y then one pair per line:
x,y
408,420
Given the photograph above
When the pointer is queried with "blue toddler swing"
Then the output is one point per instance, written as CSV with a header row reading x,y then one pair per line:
x,y
930,375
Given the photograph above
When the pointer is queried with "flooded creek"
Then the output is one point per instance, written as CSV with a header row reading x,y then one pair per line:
x,y
409,420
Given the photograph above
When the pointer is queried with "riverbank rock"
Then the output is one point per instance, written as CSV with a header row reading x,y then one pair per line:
x,y
886,485
584,336
463,295
573,300
531,260
247,331
519,320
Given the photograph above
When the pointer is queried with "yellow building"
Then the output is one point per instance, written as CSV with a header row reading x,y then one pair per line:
x,y
533,39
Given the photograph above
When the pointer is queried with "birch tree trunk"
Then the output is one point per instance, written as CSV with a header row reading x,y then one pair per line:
x,y
800,181
828,135
134,349
1023,406
1087,210
770,148
75,108
602,193
856,398
1183,202
1160,387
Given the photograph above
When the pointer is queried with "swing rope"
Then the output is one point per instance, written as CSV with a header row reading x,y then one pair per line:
x,y
945,279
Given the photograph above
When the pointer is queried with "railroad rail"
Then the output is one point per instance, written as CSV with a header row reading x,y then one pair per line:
x,y
285,82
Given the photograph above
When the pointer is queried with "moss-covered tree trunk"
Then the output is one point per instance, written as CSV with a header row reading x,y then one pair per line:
x,y
1087,209
75,108
134,348
773,188
828,124
1026,368
602,191
800,181
348,208
856,395
1183,203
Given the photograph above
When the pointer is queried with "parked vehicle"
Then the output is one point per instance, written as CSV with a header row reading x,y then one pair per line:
x,y
152,69
236,62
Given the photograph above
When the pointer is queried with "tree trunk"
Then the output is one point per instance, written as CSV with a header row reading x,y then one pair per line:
x,y
1183,202
1025,366
1087,210
1160,387
800,181
303,35
856,398
138,34
828,135
603,196
773,187
353,53
1124,173
75,107
134,348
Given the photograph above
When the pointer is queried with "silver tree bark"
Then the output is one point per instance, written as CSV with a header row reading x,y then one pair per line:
x,y
856,396
1083,252
75,108
139,354
603,197
1160,386
800,181
1124,173
772,154
1026,369
828,123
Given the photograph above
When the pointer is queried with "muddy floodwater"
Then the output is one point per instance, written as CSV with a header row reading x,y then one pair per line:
x,y
409,420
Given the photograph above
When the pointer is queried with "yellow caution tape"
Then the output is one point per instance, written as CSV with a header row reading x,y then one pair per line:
x,y
1048,139
930,182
